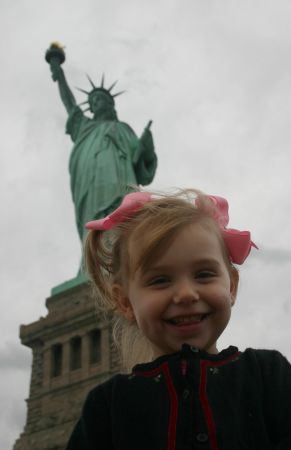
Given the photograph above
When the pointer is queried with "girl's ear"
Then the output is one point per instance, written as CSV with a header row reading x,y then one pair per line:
x,y
122,302
234,280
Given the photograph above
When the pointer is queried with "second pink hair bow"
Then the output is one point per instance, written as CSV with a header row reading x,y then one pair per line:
x,y
238,242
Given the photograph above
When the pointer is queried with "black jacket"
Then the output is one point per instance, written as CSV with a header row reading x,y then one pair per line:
x,y
192,400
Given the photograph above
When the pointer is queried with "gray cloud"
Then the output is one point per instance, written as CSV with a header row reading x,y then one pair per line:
x,y
14,356
274,255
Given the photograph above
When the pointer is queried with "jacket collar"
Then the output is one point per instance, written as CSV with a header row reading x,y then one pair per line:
x,y
187,352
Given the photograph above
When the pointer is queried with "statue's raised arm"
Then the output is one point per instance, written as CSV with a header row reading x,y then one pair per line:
x,y
55,56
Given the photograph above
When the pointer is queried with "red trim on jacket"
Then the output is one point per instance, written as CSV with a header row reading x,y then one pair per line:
x,y
164,368
204,364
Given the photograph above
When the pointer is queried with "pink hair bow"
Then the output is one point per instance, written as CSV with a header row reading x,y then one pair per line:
x,y
238,243
131,202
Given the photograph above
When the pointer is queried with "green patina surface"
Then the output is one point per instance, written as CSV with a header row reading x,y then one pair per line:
x,y
74,282
108,159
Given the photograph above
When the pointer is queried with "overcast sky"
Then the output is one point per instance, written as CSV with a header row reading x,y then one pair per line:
x,y
215,78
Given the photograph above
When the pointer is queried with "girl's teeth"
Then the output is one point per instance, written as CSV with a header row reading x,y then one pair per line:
x,y
179,320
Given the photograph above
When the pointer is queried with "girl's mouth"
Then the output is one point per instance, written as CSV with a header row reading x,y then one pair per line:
x,y
187,320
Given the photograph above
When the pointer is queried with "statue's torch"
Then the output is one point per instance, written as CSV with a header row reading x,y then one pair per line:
x,y
55,56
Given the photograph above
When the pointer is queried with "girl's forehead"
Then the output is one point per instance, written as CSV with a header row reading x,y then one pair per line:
x,y
193,240
196,237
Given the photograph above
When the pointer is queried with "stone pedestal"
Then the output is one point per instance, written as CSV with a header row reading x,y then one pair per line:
x,y
72,352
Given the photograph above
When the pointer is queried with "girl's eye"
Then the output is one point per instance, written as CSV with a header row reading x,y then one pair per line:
x,y
205,274
160,280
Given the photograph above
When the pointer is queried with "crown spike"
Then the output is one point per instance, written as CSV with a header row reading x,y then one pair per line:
x,y
87,109
102,80
112,86
83,103
91,82
82,90
118,93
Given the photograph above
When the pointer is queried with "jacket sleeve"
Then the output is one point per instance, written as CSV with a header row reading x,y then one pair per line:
x,y
276,372
93,430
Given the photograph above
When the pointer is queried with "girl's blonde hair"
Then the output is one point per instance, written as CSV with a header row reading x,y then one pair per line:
x,y
109,257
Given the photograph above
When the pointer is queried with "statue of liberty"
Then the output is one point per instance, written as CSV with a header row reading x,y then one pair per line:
x,y
108,160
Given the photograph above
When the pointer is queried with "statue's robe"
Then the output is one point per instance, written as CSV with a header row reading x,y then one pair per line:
x,y
101,166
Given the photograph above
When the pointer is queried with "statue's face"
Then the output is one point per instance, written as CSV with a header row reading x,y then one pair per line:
x,y
100,103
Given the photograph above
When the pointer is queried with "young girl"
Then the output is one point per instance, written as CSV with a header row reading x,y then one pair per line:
x,y
167,273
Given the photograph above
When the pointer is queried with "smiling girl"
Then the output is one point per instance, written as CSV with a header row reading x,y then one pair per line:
x,y
167,273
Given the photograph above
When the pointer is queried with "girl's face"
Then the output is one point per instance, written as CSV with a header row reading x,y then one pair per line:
x,y
185,296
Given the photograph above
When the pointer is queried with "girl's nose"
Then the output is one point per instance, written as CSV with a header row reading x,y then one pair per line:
x,y
186,292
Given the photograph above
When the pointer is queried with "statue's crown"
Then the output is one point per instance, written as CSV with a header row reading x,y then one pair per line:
x,y
101,88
